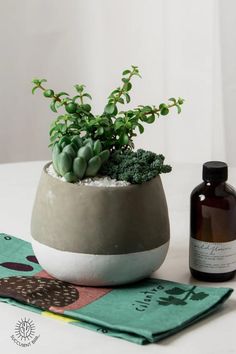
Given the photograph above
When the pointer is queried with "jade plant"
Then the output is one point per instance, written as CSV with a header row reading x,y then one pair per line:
x,y
85,144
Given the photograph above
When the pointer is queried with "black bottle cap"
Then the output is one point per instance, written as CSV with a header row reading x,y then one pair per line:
x,y
215,171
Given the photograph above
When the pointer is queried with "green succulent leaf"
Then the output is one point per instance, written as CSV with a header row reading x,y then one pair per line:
x,y
141,128
79,167
86,152
180,100
93,167
125,72
62,94
178,108
53,106
87,95
110,108
150,118
125,80
119,124
34,89
77,141
127,96
97,147
124,139
65,140
128,86
121,100
79,88
70,177
64,163
104,155
115,129
36,81
99,131
164,111
70,150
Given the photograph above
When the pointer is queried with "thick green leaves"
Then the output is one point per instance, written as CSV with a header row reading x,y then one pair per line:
x,y
70,177
34,89
55,152
86,152
93,167
77,141
110,108
64,141
79,88
62,94
119,123
127,96
53,106
115,130
104,155
48,93
64,163
99,131
97,147
124,139
164,111
87,95
70,150
71,107
79,167
128,86
149,118
141,128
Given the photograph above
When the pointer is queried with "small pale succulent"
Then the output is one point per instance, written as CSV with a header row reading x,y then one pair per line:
x,y
76,158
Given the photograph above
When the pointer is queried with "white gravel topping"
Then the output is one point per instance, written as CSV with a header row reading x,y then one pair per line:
x,y
102,181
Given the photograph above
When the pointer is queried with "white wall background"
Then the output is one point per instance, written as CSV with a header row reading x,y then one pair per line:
x,y
183,48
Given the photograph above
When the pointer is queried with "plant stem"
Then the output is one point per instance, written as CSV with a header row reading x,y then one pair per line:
x,y
122,88
81,99
54,97
189,292
157,110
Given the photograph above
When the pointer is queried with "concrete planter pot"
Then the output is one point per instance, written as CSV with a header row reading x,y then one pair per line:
x,y
99,236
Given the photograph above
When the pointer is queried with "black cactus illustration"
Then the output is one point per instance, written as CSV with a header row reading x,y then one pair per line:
x,y
189,294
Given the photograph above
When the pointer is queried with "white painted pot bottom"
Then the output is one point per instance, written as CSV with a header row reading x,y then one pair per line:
x,y
99,270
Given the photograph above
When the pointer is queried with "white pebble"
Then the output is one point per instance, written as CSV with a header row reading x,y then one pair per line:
x,y
103,181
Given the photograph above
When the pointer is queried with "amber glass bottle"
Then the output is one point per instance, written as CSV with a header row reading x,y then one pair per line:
x,y
212,255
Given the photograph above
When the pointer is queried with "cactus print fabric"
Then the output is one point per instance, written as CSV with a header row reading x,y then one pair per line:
x,y
142,312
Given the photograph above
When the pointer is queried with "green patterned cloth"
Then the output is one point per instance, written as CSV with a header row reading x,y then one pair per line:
x,y
142,312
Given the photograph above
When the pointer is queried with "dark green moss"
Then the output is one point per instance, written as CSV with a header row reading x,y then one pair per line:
x,y
134,166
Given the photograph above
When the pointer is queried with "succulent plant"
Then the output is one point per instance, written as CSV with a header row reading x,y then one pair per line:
x,y
76,158
115,128
76,152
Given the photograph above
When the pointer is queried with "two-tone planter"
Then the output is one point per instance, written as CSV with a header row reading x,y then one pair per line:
x,y
99,236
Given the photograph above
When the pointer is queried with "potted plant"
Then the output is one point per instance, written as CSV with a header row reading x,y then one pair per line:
x,y
100,215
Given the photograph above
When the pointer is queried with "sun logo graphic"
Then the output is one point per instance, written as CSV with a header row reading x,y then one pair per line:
x,y
24,333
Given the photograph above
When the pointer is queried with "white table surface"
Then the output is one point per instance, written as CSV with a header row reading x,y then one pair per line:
x,y
213,335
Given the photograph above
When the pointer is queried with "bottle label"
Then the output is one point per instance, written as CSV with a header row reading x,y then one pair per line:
x,y
212,257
